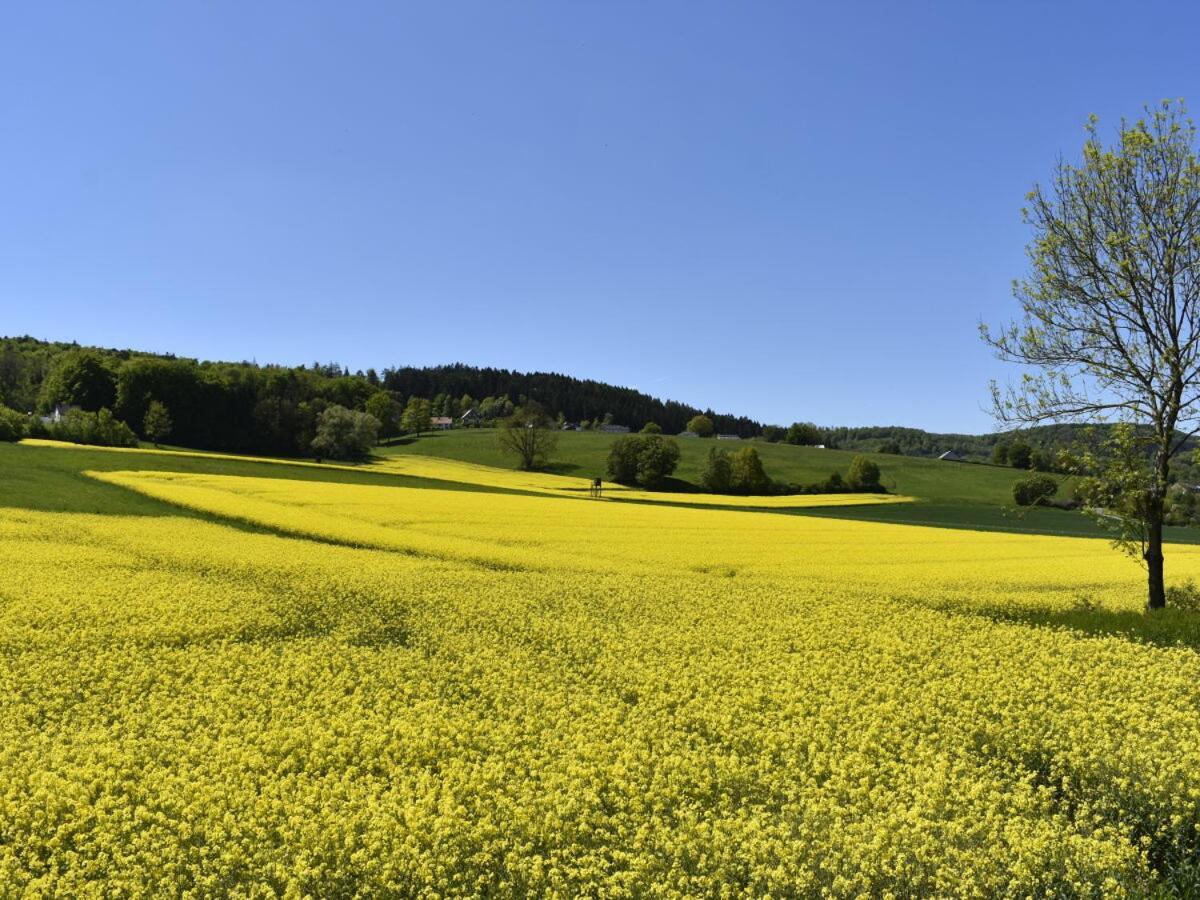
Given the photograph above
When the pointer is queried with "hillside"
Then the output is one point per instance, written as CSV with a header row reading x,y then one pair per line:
x,y
956,495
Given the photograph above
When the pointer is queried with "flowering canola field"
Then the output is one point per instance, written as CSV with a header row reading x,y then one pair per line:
x,y
296,688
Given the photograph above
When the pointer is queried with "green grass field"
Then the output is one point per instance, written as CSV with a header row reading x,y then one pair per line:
x,y
949,494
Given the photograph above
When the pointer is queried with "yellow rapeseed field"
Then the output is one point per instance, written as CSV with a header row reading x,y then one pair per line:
x,y
295,688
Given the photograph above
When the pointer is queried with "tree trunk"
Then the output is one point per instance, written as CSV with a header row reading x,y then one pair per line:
x,y
1154,558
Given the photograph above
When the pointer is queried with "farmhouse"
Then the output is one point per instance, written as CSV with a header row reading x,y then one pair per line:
x,y
951,456
688,434
469,418
615,429
441,423
728,437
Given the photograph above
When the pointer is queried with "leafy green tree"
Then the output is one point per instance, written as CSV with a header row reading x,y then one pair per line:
x,y
157,424
1020,455
717,475
418,416
805,434
82,378
1034,490
645,459
384,407
1000,454
656,460
1111,308
651,428
891,447
344,434
622,462
773,434
746,474
701,426
863,474
529,435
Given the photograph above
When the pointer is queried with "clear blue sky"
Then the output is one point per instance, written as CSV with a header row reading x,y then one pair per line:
x,y
793,211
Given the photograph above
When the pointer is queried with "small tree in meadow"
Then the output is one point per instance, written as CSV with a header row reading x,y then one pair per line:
x,y
529,435
863,474
157,424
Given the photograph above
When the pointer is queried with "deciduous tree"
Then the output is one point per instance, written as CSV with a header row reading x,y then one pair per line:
x,y
1111,308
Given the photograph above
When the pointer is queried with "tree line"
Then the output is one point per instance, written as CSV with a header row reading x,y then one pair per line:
x,y
246,407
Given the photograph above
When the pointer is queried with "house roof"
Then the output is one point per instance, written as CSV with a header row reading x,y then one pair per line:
x,y
442,420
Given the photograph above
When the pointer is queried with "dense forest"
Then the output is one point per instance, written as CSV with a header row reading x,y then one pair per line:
x,y
246,407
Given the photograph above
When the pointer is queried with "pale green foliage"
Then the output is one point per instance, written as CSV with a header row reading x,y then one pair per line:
x,y
529,435
1111,306
417,416
345,434
157,425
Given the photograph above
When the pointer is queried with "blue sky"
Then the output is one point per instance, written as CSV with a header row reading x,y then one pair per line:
x,y
792,211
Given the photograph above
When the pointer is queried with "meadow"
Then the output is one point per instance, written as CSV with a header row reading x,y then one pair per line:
x,y
952,495
227,676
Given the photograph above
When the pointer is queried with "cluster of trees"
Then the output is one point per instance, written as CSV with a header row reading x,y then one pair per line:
x,y
577,399
244,407
1036,490
646,459
739,472
1020,454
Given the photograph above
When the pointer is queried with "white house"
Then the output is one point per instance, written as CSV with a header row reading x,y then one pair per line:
x,y
58,413
441,423
688,434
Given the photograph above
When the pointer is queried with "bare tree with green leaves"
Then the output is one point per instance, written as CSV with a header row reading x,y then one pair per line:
x,y
530,435
1111,309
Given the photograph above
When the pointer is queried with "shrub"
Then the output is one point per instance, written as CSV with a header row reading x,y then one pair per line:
x,y
1184,596
701,425
12,424
1034,490
863,474
651,428
100,428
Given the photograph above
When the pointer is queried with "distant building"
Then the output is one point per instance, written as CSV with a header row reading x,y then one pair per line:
x,y
615,429
951,456
570,426
818,446
688,434
441,423
58,413
470,417
728,437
